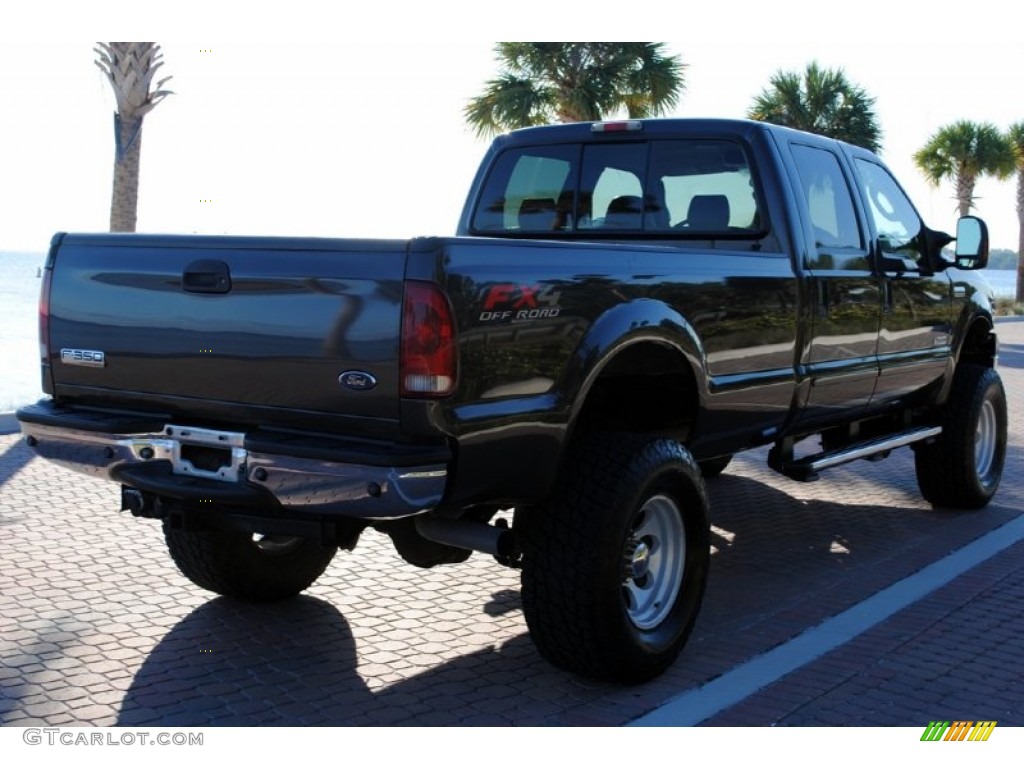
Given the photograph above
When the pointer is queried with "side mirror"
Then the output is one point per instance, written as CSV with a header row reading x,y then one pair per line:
x,y
971,243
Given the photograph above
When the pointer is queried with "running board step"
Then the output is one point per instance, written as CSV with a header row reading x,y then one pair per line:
x,y
807,468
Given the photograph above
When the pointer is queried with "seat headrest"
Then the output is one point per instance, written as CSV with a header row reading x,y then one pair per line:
x,y
625,212
708,212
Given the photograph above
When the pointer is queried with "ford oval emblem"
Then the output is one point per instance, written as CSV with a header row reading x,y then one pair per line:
x,y
357,381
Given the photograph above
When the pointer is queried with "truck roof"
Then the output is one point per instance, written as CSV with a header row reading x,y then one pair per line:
x,y
651,127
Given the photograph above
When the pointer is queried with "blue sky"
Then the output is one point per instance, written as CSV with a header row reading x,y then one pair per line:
x,y
314,124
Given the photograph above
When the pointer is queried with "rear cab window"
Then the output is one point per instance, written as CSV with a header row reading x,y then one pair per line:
x,y
678,188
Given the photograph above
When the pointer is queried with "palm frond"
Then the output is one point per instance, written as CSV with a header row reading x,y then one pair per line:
x,y
130,69
576,81
821,101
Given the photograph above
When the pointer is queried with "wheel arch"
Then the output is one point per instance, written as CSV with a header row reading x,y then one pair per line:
x,y
979,344
640,368
975,343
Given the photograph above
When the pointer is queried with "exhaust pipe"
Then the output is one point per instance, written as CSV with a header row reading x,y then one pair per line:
x,y
138,503
478,537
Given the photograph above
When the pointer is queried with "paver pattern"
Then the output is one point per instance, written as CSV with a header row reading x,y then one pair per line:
x,y
98,628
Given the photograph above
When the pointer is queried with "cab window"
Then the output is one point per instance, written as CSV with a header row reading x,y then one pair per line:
x,y
668,188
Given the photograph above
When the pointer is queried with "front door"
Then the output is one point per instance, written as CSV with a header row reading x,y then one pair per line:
x,y
914,341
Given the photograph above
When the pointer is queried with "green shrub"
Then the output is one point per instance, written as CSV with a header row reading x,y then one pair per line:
x,y
1007,306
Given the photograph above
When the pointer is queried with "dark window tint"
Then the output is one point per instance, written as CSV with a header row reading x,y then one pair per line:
x,y
612,186
827,194
896,222
529,190
702,188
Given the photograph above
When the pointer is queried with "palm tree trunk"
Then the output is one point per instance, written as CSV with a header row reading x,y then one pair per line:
x,y
1020,236
125,199
964,192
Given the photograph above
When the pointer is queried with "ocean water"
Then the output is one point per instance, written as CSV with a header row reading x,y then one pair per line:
x,y
1004,281
19,323
19,347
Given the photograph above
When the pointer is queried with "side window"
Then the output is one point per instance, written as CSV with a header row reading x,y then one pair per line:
x,y
828,198
896,222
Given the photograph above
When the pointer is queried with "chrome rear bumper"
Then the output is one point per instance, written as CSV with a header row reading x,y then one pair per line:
x,y
212,465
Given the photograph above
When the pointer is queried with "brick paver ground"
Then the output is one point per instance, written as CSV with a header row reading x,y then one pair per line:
x,y
955,655
98,628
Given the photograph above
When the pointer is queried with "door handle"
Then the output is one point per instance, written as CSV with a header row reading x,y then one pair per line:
x,y
206,276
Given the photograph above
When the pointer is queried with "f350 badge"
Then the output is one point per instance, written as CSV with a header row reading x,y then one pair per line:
x,y
90,358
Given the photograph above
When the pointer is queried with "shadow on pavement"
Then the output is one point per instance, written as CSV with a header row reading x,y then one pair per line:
x,y
12,460
781,565
295,663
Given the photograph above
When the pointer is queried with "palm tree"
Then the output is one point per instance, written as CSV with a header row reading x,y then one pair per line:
x,y
1016,138
130,68
569,82
963,151
821,101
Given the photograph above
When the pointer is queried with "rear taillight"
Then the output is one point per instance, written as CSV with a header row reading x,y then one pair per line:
x,y
428,358
44,317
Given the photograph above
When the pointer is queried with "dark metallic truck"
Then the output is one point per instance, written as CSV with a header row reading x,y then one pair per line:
x,y
624,307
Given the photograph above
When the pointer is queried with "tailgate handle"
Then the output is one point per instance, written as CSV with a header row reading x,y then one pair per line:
x,y
206,276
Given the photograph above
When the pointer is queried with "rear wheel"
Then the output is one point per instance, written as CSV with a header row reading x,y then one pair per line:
x,y
963,467
615,563
248,566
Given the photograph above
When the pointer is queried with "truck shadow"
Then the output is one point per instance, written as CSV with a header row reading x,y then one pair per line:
x,y
780,565
13,459
296,663
783,563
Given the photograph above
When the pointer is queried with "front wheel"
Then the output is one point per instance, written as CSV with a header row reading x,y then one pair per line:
x,y
963,467
248,566
615,562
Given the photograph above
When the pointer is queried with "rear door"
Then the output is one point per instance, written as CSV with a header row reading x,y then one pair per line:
x,y
840,362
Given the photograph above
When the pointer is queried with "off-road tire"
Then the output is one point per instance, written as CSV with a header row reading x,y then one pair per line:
x,y
616,560
247,567
963,466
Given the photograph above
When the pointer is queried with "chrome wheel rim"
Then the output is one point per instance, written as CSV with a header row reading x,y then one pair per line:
x,y
985,440
654,561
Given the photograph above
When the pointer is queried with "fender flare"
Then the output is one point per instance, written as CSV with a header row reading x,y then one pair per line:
x,y
622,326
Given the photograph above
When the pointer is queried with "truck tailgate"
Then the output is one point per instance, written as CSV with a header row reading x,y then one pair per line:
x,y
258,330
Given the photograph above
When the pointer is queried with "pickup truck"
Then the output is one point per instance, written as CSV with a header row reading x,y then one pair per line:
x,y
624,307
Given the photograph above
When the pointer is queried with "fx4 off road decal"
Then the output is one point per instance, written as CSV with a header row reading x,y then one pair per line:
x,y
511,301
